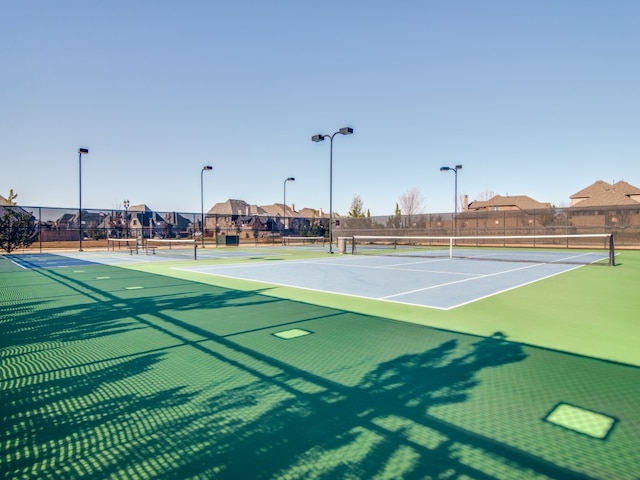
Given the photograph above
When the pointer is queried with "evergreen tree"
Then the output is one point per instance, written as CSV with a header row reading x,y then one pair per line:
x,y
396,220
17,227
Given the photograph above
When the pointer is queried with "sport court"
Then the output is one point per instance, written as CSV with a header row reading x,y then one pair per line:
x,y
116,365
437,283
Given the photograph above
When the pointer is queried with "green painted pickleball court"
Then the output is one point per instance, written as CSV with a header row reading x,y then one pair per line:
x,y
287,362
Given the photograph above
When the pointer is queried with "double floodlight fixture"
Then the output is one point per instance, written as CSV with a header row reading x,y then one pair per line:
x,y
342,131
454,169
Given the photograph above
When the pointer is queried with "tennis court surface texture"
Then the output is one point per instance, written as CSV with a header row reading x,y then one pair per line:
x,y
291,363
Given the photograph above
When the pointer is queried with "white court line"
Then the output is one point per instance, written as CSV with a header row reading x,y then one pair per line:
x,y
396,269
15,263
478,277
497,292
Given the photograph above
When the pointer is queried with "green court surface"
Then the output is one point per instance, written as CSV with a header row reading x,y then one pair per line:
x,y
150,371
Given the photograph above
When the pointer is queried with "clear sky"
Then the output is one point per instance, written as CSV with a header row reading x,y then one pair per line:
x,y
532,97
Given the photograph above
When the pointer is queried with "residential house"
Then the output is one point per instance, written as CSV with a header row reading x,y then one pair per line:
x,y
284,218
499,203
606,206
143,222
510,214
601,194
237,217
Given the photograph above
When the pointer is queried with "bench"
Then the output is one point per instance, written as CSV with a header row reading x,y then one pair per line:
x,y
153,250
132,249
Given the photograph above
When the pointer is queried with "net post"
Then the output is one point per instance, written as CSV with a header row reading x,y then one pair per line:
x,y
195,250
450,247
612,253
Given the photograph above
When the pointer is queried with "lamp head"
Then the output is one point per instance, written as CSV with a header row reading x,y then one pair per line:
x,y
83,151
317,138
290,179
444,169
346,131
207,167
458,167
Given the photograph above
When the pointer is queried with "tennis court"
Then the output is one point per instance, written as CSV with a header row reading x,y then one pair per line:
x,y
435,283
288,363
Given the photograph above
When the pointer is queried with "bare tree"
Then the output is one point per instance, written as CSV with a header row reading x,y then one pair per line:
x,y
486,195
357,207
412,203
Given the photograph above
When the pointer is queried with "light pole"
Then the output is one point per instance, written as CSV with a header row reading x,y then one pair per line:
x,y
455,194
320,138
284,204
126,204
206,167
81,151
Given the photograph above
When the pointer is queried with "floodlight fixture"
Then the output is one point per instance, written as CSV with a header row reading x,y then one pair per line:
x,y
284,204
455,193
81,151
205,168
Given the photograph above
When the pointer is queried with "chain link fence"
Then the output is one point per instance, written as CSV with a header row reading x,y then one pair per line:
x,y
60,227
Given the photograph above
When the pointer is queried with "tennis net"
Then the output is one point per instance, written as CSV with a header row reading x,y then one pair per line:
x,y
302,240
184,248
132,245
584,249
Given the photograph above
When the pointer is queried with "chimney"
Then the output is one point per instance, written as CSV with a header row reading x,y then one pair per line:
x,y
465,206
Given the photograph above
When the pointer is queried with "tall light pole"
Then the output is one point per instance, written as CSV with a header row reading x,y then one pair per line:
x,y
81,151
320,138
455,194
284,204
206,167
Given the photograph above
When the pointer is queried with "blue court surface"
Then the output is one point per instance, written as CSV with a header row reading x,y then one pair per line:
x,y
436,283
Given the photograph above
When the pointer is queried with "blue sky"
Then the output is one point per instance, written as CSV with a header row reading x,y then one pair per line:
x,y
537,98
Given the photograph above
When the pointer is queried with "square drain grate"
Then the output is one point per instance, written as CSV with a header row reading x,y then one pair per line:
x,y
293,333
581,420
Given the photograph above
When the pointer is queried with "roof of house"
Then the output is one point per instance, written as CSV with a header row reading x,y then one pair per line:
x,y
601,193
139,208
235,207
276,210
523,202
313,213
626,188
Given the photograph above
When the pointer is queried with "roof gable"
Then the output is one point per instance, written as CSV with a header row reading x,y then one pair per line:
x,y
235,207
601,193
606,198
626,188
522,202
594,189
